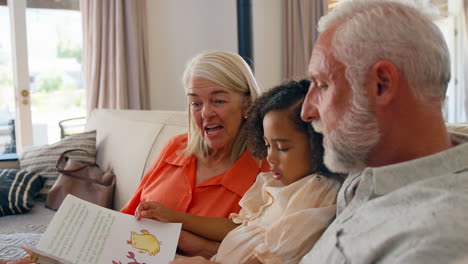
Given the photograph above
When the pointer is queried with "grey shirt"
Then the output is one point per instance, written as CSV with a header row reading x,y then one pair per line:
x,y
410,212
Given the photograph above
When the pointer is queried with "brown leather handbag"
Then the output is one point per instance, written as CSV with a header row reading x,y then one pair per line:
x,y
85,181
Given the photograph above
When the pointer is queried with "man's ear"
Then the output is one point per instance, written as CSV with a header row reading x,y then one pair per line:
x,y
385,82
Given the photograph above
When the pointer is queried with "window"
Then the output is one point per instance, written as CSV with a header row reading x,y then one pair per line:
x,y
56,80
53,90
453,27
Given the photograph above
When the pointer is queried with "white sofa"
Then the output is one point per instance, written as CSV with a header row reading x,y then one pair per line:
x,y
127,141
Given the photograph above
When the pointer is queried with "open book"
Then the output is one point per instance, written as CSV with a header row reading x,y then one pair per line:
x,y
82,232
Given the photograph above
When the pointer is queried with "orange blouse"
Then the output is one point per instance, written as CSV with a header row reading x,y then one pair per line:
x,y
171,181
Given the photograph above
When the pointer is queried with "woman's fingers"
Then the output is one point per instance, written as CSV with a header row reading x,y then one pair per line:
x,y
154,210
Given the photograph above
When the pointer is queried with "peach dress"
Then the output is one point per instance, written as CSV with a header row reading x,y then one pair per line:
x,y
280,224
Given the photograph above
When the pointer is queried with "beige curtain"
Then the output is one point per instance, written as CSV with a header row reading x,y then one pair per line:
x,y
301,17
465,8
115,54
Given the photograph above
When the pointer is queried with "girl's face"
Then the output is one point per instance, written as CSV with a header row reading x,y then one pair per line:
x,y
217,111
289,153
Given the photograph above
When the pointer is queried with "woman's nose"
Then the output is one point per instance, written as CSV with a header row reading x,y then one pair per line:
x,y
207,111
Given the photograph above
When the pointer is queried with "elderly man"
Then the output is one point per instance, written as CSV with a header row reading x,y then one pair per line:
x,y
380,72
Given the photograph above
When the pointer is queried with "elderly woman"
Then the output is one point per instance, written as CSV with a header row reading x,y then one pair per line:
x,y
207,170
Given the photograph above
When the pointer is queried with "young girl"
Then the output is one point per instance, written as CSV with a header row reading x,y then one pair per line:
x,y
284,213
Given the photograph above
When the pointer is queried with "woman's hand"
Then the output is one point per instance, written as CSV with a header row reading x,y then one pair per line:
x,y
156,211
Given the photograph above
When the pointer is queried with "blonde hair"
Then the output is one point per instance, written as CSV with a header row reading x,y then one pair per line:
x,y
229,70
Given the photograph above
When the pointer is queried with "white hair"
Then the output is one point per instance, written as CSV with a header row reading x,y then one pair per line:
x,y
400,32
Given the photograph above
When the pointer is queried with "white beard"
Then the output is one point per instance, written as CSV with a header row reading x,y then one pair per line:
x,y
349,144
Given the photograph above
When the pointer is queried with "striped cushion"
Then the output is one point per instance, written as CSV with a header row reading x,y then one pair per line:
x,y
17,191
44,158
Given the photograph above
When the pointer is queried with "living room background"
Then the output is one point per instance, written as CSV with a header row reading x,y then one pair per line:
x,y
179,29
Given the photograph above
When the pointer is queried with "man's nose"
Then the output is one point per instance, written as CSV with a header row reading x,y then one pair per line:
x,y
309,111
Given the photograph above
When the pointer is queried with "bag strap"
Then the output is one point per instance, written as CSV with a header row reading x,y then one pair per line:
x,y
64,157
69,174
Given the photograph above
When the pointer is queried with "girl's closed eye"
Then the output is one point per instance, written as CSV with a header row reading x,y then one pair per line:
x,y
267,144
283,149
281,146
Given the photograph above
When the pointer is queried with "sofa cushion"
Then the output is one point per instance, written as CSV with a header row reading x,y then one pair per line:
x,y
18,188
42,159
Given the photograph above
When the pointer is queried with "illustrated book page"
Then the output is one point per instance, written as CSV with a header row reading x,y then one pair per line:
x,y
82,232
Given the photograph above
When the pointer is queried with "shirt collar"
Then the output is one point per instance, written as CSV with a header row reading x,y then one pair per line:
x,y
178,158
392,177
242,174
238,179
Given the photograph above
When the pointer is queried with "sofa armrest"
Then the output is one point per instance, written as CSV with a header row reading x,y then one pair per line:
x,y
128,141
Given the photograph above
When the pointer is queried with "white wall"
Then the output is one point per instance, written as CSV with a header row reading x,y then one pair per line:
x,y
180,29
177,31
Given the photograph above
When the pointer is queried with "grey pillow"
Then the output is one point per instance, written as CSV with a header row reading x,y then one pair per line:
x,y
17,191
43,159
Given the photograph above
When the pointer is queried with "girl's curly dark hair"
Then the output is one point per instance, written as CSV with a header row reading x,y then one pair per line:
x,y
288,96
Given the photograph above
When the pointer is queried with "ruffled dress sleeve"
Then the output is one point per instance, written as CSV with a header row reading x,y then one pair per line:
x,y
310,209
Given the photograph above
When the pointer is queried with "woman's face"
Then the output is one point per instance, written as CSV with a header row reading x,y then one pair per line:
x,y
217,111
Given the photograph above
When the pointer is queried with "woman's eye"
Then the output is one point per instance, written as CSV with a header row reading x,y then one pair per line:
x,y
283,149
195,105
219,101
